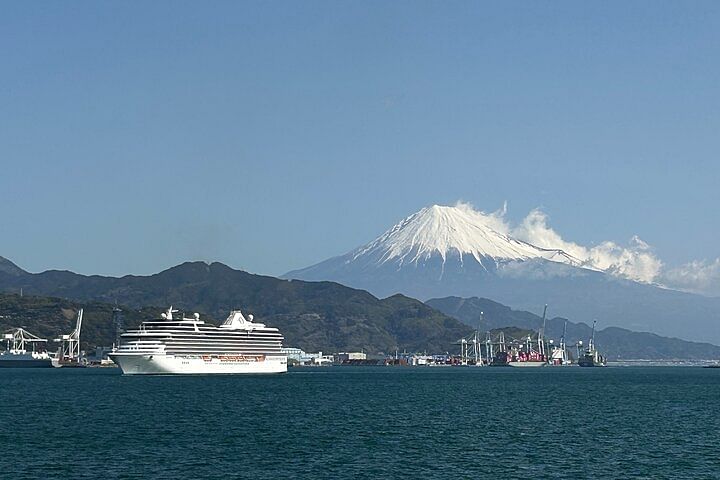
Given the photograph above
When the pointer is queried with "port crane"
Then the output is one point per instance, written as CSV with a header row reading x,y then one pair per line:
x,y
559,355
70,344
541,335
18,340
471,347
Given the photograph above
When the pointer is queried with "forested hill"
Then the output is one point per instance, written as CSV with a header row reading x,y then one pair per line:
x,y
312,315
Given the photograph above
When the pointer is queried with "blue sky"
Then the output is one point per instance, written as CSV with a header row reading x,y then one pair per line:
x,y
272,135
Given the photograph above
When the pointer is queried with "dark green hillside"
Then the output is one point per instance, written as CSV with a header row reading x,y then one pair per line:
x,y
49,318
312,315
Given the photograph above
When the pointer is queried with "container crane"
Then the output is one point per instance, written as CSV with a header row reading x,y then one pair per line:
x,y
70,344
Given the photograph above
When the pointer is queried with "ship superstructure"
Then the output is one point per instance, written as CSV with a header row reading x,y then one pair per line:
x,y
191,346
591,357
559,353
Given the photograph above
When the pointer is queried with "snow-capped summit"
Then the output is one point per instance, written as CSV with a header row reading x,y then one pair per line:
x,y
457,251
452,231
441,244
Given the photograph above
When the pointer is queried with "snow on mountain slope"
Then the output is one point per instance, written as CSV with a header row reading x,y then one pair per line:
x,y
442,244
457,251
441,230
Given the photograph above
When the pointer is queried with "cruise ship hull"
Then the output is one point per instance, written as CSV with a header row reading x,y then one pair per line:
x,y
162,364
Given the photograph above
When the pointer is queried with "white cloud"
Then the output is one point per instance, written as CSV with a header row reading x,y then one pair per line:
x,y
635,260
495,220
699,276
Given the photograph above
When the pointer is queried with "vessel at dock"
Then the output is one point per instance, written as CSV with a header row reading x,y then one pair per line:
x,y
516,353
190,346
591,357
24,350
501,359
528,356
559,353
529,353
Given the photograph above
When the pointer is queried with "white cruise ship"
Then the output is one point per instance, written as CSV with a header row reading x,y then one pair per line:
x,y
190,346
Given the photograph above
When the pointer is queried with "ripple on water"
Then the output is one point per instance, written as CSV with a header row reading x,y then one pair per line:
x,y
363,423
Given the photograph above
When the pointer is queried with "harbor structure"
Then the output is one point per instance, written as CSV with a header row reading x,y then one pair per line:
x,y
25,350
303,358
471,349
346,357
100,357
69,354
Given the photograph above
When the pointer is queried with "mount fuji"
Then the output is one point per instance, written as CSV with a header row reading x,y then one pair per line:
x,y
444,251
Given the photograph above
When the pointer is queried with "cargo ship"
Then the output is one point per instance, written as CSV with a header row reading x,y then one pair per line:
x,y
24,350
591,357
501,359
527,355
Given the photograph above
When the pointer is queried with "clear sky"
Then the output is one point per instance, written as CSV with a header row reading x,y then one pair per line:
x,y
272,135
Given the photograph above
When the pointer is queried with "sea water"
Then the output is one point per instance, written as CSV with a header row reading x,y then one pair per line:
x,y
362,422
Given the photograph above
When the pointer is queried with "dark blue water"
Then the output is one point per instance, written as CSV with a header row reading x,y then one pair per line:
x,y
383,422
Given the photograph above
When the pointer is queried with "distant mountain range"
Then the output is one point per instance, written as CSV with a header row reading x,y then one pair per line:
x,y
615,343
312,315
454,251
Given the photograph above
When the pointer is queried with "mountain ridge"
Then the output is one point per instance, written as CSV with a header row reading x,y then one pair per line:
x,y
425,257
6,266
314,316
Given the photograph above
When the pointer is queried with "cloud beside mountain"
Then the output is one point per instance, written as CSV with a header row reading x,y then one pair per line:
x,y
635,261
699,276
